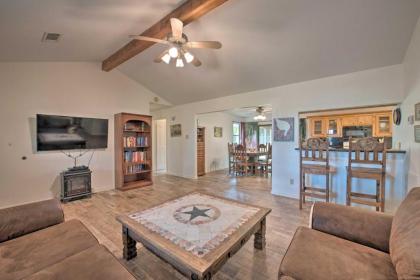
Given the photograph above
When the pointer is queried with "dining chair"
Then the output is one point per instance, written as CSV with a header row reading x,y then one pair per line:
x,y
241,160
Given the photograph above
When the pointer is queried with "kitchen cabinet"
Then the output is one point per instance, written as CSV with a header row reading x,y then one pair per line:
x,y
383,125
317,127
334,127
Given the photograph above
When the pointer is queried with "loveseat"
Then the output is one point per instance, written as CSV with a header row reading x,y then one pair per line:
x,y
352,243
36,243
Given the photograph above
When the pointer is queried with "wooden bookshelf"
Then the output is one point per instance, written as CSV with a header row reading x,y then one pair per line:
x,y
201,155
133,151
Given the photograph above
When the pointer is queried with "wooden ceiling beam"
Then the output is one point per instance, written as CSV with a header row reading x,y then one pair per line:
x,y
188,12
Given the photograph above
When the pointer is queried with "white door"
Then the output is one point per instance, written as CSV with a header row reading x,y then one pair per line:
x,y
161,145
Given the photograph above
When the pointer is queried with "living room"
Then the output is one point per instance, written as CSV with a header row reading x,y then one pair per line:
x,y
99,75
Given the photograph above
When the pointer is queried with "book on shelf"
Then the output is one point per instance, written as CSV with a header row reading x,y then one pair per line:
x,y
135,156
132,169
130,126
132,141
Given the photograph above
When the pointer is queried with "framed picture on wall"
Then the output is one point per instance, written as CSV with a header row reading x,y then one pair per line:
x,y
417,133
284,129
218,132
176,130
417,111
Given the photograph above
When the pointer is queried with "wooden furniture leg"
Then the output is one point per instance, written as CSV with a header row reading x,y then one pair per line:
x,y
259,237
129,250
302,178
207,276
382,193
327,186
348,192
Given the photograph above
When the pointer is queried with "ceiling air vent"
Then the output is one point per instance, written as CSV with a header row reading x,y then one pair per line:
x,y
51,37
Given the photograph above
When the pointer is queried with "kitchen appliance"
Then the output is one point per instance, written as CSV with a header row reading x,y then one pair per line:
x,y
335,142
357,132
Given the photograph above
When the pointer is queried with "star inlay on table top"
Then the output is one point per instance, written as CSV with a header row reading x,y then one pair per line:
x,y
195,212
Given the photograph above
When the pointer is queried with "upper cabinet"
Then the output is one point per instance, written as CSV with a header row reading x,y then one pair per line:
x,y
317,127
332,126
383,125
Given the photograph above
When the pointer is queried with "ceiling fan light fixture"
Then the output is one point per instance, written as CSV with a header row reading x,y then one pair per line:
x,y
173,52
166,58
179,63
188,57
260,117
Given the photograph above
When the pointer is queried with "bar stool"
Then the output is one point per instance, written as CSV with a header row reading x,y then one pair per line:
x,y
367,151
314,159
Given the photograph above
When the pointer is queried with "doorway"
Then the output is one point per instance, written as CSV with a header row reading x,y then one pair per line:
x,y
160,126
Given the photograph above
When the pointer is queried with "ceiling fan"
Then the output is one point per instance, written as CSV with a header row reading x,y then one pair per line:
x,y
260,116
179,46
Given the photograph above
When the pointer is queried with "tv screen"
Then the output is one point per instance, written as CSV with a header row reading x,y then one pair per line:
x,y
68,133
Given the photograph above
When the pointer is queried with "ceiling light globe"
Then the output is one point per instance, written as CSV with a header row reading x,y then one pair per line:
x,y
166,58
173,52
188,57
179,63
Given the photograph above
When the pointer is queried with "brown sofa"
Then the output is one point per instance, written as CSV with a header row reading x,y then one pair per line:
x,y
350,243
36,243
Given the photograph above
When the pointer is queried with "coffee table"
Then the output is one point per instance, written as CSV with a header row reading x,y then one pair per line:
x,y
195,233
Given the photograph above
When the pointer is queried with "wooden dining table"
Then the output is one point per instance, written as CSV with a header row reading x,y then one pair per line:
x,y
253,156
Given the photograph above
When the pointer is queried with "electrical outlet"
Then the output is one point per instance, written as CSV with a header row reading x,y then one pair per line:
x,y
292,181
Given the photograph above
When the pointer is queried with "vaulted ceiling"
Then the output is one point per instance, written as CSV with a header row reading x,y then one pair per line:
x,y
266,43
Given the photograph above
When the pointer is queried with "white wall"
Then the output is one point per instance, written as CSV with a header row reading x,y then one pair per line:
x,y
216,152
370,87
405,132
76,89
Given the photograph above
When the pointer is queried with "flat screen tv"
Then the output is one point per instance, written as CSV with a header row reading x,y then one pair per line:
x,y
69,133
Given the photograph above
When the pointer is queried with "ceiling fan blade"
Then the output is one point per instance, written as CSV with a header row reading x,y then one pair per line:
x,y
204,45
150,39
158,59
196,62
177,28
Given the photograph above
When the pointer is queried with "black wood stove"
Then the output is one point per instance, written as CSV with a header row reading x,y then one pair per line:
x,y
75,183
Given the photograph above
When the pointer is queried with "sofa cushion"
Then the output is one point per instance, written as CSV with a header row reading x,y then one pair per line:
x,y
316,255
30,253
93,263
405,237
23,219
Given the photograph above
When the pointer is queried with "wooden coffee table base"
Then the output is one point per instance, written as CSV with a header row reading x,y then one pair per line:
x,y
130,250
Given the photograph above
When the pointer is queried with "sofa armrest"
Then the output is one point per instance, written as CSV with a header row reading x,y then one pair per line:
x,y
362,226
23,219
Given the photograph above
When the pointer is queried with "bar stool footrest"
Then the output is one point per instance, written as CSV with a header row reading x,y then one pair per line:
x,y
315,189
316,195
365,202
363,195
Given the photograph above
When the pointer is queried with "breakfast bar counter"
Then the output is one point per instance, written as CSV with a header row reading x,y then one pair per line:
x,y
396,181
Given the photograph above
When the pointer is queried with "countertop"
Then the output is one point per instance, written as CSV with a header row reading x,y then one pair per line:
x,y
392,151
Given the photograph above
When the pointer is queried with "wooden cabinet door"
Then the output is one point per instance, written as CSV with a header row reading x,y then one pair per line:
x,y
365,120
383,125
317,127
349,121
333,127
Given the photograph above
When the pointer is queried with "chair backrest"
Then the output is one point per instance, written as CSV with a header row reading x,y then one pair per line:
x,y
314,149
262,148
367,150
240,153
